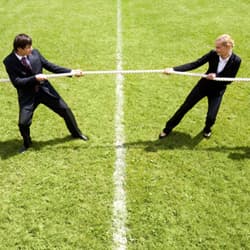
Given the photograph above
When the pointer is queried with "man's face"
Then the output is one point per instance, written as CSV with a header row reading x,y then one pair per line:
x,y
221,49
24,52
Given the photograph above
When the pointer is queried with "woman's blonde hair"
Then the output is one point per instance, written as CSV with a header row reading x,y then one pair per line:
x,y
226,40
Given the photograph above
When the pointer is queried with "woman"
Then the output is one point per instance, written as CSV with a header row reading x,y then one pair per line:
x,y
222,62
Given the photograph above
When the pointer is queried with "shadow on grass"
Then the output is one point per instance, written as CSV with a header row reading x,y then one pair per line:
x,y
176,140
179,140
11,148
235,153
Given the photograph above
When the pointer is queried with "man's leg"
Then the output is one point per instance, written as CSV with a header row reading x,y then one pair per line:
x,y
62,109
194,96
25,120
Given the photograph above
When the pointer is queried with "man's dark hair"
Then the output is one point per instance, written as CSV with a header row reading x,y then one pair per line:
x,y
21,41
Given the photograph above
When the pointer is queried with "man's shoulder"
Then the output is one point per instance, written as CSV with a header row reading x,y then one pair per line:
x,y
35,52
9,58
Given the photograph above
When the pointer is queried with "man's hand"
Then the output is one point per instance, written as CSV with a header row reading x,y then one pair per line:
x,y
168,71
211,76
40,77
77,72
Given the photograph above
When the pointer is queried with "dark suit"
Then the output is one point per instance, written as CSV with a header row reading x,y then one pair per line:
x,y
214,90
31,93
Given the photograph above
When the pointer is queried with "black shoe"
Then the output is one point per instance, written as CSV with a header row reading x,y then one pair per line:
x,y
207,134
82,137
23,149
163,135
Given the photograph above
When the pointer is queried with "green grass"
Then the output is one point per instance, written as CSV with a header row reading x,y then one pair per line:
x,y
183,192
59,195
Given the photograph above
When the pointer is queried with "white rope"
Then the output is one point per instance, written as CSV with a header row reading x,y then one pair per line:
x,y
4,80
47,76
220,79
143,71
100,72
103,72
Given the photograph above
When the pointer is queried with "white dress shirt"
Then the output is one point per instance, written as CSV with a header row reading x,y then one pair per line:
x,y
222,63
20,58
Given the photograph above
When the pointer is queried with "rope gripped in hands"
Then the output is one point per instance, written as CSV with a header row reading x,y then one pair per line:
x,y
147,71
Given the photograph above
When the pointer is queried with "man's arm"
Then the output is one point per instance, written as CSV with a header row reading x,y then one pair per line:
x,y
51,66
16,79
58,69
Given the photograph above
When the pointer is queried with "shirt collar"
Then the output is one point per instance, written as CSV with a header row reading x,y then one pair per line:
x,y
226,59
20,57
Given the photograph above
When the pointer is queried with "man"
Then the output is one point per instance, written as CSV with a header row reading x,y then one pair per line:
x,y
222,62
24,67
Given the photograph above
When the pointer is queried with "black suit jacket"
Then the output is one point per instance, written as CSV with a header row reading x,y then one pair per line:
x,y
24,80
212,59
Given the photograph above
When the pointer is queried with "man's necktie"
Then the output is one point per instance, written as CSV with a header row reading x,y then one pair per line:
x,y
25,63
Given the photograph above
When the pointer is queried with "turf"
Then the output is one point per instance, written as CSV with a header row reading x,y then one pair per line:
x,y
59,195
182,193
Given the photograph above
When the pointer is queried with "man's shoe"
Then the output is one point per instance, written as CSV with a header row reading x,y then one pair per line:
x,y
82,137
163,135
207,134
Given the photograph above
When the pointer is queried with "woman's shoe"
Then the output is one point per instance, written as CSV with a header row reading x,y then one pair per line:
x,y
163,135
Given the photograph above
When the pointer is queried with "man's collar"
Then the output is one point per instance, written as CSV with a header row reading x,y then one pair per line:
x,y
20,57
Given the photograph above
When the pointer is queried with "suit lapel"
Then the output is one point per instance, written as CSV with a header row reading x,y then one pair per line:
x,y
19,62
216,63
16,59
229,62
31,60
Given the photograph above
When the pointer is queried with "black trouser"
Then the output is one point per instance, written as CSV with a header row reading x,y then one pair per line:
x,y
197,93
56,104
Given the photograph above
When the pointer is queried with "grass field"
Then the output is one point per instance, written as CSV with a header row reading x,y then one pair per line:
x,y
181,193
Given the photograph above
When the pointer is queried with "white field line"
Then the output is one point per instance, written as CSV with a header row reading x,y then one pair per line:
x,y
119,203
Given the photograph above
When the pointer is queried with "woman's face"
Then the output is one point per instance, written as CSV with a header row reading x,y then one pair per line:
x,y
221,49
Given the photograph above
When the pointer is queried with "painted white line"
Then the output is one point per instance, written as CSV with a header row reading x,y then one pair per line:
x,y
119,204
